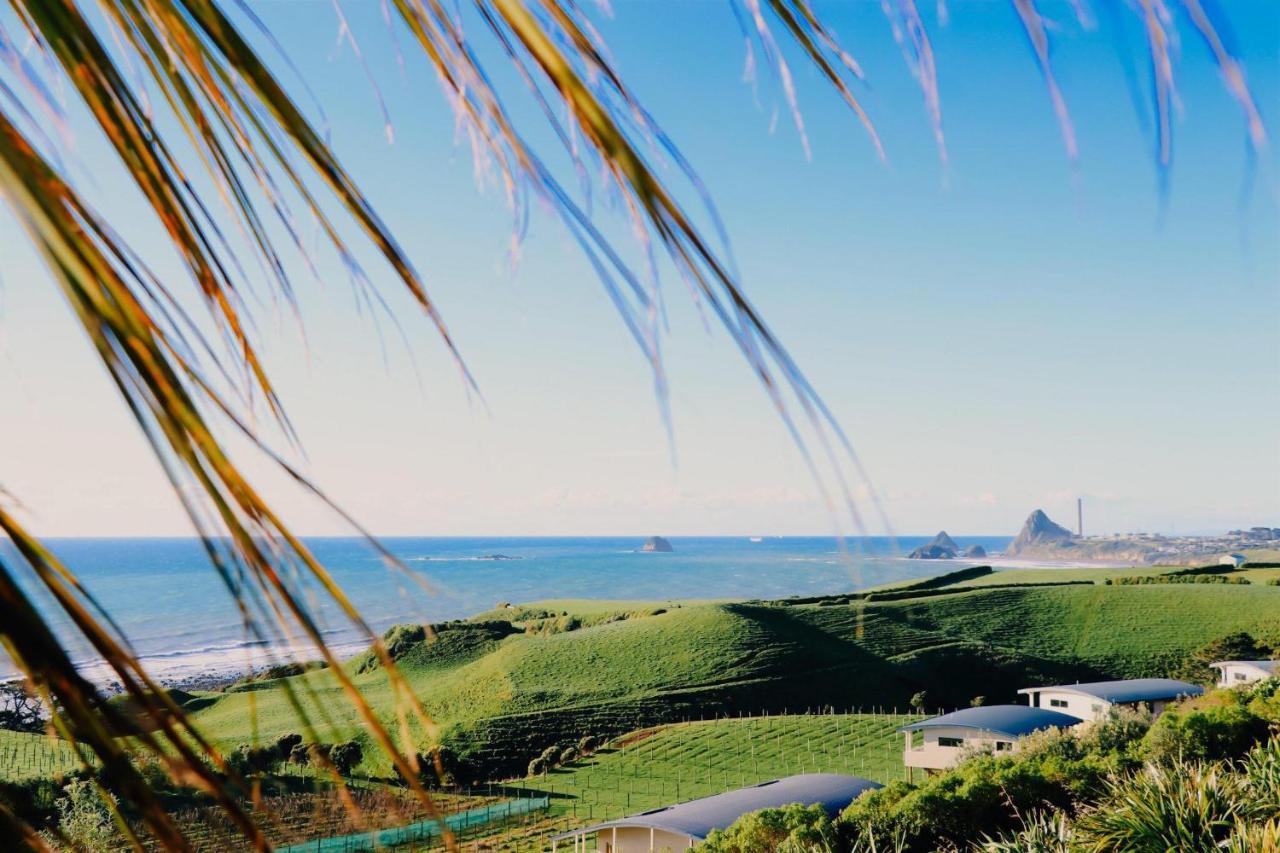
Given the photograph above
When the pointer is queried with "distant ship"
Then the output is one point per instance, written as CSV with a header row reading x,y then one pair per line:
x,y
757,538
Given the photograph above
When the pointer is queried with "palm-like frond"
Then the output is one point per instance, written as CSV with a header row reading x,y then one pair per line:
x,y
226,120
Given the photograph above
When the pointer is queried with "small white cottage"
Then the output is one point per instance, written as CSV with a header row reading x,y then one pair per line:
x,y
1235,561
1234,673
1094,700
942,742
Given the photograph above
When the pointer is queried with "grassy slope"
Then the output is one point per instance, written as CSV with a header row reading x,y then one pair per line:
x,y
527,690
31,756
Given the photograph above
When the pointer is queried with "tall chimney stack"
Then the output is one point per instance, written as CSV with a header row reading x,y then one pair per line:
x,y
1080,516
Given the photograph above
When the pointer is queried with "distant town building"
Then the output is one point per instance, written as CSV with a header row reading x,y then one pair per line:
x,y
1094,701
682,826
1233,560
942,742
1234,673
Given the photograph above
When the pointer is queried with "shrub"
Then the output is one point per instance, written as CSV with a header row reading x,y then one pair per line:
x,y
85,819
285,744
790,829
345,756
537,767
1165,807
248,759
569,755
1264,700
300,754
1261,769
588,744
1043,832
1226,730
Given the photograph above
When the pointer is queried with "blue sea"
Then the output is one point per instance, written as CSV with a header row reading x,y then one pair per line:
x,y
179,617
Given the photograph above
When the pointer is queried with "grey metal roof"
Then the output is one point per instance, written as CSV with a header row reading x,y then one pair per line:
x,y
1264,665
1012,720
1130,690
696,818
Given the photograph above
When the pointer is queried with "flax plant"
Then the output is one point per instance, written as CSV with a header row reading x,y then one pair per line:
x,y
206,130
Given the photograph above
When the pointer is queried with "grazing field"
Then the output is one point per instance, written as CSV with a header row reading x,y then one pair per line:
x,y
504,690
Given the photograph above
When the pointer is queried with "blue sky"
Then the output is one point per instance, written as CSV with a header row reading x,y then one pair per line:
x,y
998,335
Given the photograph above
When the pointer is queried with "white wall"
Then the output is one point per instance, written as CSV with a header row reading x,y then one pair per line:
x,y
1236,674
635,839
1075,704
931,755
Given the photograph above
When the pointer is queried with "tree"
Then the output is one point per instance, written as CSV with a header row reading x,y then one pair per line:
x,y
19,710
217,109
918,701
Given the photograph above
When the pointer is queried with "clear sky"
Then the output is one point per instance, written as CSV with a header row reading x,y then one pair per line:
x,y
998,335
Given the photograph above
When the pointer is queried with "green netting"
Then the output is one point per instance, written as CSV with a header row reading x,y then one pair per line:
x,y
422,830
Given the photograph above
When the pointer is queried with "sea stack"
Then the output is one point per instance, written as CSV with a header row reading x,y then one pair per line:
x,y
1039,531
974,551
657,543
941,547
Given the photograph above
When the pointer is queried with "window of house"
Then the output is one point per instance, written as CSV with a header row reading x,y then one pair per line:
x,y
1239,676
1057,703
950,741
1097,709
1003,746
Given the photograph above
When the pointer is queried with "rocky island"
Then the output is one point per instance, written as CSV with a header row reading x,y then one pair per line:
x,y
941,547
657,543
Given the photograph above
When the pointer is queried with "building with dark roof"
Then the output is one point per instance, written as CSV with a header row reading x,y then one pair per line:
x,y
1094,700
942,742
683,825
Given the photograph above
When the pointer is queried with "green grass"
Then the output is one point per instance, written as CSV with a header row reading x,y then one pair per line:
x,y
506,694
685,761
515,695
33,756
671,764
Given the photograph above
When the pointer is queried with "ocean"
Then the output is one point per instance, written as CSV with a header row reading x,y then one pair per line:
x,y
181,620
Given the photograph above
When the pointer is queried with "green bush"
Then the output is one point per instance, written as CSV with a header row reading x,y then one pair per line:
x,y
1185,807
588,744
84,818
790,829
1042,832
248,759
1207,733
1237,646
569,755
285,744
345,756
1140,580
300,754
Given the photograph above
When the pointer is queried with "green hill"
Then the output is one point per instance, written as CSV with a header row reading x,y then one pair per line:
x,y
515,680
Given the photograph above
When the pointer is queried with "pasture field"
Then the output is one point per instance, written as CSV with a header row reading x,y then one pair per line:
x,y
561,670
